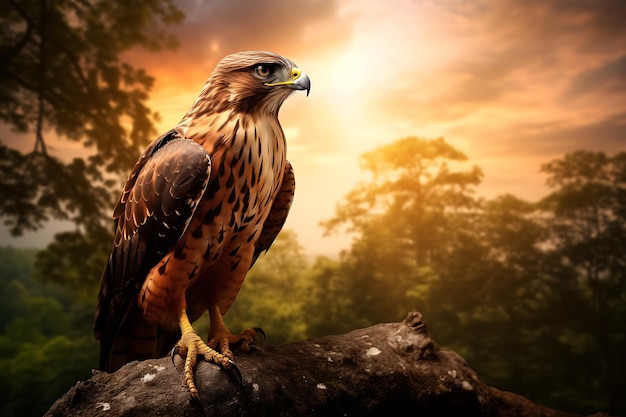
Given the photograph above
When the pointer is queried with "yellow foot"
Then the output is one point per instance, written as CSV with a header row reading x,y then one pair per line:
x,y
189,347
222,341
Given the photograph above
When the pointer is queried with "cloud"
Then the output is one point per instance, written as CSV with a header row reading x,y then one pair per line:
x,y
607,134
608,78
557,38
235,23
541,24
547,139
214,29
526,77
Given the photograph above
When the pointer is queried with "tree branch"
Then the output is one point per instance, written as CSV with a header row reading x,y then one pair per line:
x,y
14,50
387,369
48,94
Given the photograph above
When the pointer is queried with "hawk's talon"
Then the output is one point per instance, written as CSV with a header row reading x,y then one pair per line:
x,y
191,347
261,331
222,341
175,351
195,398
224,349
234,369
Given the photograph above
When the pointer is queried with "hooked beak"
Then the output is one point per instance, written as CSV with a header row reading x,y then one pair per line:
x,y
303,83
299,81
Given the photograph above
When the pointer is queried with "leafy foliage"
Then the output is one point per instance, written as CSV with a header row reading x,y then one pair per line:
x,y
62,80
412,215
60,71
45,338
587,226
530,293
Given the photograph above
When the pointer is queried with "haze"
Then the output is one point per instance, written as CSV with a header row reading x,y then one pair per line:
x,y
512,84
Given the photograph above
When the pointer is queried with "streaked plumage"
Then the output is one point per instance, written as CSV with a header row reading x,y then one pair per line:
x,y
201,204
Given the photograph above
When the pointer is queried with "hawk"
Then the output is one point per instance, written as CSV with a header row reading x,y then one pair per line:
x,y
201,204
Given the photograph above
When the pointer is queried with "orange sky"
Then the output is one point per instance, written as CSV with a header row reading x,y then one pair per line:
x,y
512,84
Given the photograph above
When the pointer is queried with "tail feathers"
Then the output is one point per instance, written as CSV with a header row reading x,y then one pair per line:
x,y
136,340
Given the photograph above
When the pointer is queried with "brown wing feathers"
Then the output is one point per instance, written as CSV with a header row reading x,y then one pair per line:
x,y
154,209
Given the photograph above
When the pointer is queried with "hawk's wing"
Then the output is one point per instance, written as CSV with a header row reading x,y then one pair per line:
x,y
278,213
152,213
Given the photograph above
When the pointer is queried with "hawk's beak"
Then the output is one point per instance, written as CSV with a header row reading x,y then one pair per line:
x,y
299,81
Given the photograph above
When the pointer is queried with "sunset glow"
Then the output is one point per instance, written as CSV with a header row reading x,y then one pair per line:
x,y
511,84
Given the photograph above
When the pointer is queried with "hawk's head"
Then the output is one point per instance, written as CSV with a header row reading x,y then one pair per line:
x,y
251,82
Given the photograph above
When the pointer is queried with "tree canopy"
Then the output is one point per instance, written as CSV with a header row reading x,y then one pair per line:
x,y
530,293
526,291
61,74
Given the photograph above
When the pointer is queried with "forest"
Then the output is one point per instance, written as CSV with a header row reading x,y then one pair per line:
x,y
531,293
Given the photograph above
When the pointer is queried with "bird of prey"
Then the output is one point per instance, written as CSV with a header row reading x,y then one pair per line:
x,y
201,204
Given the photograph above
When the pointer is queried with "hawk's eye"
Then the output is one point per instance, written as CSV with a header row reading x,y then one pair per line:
x,y
263,70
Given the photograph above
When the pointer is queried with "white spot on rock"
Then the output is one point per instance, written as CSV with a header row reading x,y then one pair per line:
x,y
147,378
452,373
105,406
467,386
321,386
255,387
373,351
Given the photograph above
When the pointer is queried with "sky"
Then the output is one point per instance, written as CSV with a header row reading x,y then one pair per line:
x,y
512,84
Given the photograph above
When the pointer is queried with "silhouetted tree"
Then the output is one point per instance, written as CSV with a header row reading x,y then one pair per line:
x,y
60,71
586,221
531,294
409,217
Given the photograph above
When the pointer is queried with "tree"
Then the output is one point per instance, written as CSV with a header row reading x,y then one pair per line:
x,y
489,299
60,70
62,77
330,301
63,80
586,218
531,294
45,347
408,218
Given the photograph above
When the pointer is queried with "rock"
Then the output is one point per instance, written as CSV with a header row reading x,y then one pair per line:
x,y
384,370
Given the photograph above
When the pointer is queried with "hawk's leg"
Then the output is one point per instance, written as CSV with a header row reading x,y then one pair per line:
x,y
220,338
190,346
